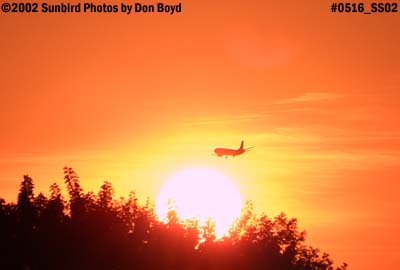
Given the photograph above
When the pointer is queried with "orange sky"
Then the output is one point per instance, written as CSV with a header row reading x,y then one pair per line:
x,y
135,98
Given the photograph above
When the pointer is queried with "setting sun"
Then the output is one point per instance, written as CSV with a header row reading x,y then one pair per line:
x,y
201,193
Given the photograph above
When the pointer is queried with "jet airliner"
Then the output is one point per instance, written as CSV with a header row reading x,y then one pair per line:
x,y
231,152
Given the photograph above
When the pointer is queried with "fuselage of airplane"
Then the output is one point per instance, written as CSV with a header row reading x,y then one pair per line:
x,y
230,152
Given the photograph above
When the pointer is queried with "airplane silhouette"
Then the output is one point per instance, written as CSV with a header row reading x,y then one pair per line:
x,y
231,152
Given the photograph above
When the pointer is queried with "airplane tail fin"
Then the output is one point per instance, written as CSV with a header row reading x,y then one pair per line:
x,y
241,145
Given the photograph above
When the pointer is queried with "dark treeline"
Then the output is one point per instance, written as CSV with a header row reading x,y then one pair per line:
x,y
95,231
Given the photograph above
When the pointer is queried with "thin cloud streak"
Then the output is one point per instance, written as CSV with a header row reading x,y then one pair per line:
x,y
309,97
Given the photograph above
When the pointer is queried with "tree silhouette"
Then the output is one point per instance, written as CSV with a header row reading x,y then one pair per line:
x,y
96,231
105,195
25,203
77,201
54,210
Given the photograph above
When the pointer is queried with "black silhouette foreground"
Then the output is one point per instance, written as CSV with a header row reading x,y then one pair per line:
x,y
94,231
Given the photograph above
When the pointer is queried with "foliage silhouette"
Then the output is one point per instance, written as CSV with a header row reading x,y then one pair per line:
x,y
90,231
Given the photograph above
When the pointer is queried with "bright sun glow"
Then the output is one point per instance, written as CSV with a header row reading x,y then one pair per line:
x,y
201,193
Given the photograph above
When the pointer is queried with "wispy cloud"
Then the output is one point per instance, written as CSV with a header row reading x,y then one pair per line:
x,y
309,97
228,120
272,110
